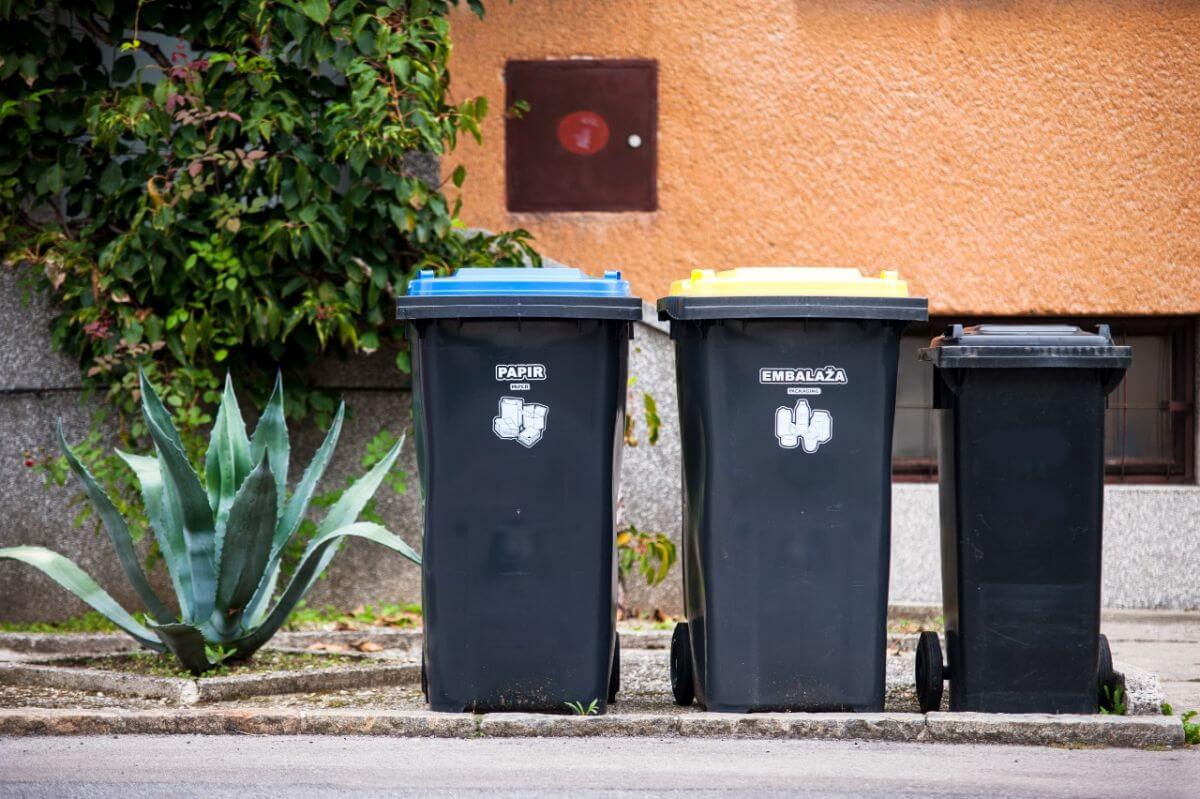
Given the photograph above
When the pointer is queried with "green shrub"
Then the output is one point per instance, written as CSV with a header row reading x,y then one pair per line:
x,y
244,200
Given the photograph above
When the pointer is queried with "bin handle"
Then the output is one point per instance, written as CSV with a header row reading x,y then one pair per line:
x,y
1110,379
946,383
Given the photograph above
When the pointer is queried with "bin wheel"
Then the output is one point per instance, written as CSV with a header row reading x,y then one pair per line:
x,y
682,684
1106,675
424,680
614,676
929,672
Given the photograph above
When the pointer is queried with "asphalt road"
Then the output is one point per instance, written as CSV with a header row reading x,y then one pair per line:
x,y
213,767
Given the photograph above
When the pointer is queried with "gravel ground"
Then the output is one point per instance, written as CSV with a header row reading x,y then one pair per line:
x,y
22,696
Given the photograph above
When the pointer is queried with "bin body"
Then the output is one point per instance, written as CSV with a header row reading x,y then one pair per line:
x,y
1021,473
518,411
786,409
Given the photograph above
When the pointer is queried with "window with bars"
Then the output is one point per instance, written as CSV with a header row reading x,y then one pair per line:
x,y
1150,424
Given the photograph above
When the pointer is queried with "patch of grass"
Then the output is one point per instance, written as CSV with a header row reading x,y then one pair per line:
x,y
90,622
384,615
1191,729
937,624
154,664
580,709
1112,701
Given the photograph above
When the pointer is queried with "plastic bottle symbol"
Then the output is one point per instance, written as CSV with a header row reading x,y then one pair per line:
x,y
520,421
801,426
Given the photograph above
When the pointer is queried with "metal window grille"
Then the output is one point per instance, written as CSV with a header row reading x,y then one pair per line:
x,y
1150,424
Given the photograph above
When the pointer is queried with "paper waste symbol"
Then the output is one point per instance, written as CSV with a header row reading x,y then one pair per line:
x,y
801,426
524,422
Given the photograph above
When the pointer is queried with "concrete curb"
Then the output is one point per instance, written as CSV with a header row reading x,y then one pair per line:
x,y
209,689
220,689
1144,693
70,644
402,640
1041,730
174,689
975,728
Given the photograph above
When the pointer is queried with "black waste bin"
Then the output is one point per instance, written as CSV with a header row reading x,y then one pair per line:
x,y
518,409
787,383
1021,474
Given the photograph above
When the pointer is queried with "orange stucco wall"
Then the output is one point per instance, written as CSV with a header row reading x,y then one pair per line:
x,y
1006,157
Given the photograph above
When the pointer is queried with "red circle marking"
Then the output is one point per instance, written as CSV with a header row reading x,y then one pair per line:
x,y
583,132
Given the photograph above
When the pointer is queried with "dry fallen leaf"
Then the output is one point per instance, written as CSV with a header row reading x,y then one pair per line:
x,y
366,645
325,646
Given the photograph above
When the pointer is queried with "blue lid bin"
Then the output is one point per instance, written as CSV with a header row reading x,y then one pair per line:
x,y
517,292
518,410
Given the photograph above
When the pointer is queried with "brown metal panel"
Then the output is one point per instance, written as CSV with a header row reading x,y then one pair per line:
x,y
574,150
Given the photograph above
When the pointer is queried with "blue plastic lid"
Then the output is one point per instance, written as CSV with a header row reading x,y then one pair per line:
x,y
558,281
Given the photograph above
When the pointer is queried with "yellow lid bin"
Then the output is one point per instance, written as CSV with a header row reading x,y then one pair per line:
x,y
786,381
789,281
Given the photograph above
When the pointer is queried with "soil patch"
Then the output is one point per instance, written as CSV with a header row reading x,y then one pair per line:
x,y
153,664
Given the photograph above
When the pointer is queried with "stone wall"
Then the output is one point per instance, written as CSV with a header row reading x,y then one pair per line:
x,y
1152,534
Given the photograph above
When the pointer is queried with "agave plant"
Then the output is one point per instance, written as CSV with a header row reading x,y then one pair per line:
x,y
222,539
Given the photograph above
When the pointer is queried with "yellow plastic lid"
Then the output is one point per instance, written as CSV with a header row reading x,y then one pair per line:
x,y
789,281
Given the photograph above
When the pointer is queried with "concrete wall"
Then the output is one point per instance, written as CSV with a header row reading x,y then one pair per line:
x,y
1152,535
1007,158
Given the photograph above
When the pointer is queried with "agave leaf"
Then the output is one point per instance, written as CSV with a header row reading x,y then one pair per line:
x,y
228,459
294,512
168,529
246,546
186,498
316,558
256,609
355,498
74,579
186,643
153,408
118,533
271,434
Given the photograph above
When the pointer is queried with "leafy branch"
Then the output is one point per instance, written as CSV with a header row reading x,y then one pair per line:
x,y
245,201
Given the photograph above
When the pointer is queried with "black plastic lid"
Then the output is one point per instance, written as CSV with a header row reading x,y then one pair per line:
x,y
900,309
410,309
993,346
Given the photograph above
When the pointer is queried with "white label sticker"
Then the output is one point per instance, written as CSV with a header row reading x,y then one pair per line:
x,y
800,426
513,372
826,375
520,421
